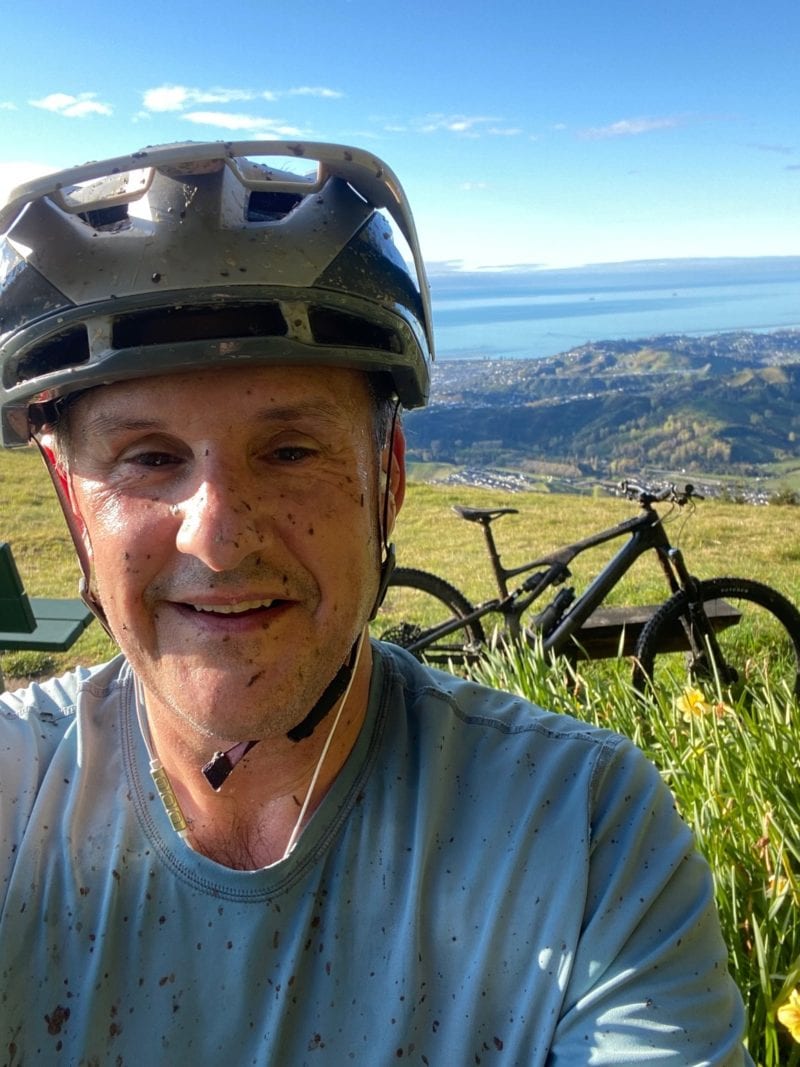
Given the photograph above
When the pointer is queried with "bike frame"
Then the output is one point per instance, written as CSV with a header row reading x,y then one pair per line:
x,y
646,532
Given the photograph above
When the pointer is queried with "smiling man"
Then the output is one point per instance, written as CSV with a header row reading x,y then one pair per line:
x,y
257,834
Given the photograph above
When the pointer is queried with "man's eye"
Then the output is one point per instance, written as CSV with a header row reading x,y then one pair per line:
x,y
292,453
153,459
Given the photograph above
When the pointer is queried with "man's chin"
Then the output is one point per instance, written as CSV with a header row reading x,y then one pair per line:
x,y
226,705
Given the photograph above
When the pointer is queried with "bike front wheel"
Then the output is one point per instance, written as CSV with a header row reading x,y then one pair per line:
x,y
423,613
739,636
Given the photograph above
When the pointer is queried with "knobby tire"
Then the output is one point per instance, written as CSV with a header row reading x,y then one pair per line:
x,y
416,603
760,651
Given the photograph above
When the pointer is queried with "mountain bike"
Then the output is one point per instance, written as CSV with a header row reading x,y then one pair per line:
x,y
728,632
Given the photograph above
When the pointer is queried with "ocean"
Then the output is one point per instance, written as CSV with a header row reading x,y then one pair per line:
x,y
529,313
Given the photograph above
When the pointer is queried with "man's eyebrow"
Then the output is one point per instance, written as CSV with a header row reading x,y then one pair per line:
x,y
111,422
108,422
293,412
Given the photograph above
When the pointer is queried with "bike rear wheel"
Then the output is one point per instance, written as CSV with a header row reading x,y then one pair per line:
x,y
418,605
758,651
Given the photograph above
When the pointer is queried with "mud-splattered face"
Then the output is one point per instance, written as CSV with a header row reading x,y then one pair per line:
x,y
230,519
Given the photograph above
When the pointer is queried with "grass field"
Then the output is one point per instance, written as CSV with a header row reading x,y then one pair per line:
x,y
734,769
718,538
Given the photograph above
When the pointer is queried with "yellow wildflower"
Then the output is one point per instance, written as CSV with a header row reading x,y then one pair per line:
x,y
789,1014
692,703
779,885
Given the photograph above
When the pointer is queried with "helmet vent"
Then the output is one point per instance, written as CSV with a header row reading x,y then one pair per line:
x,y
69,349
198,324
333,327
266,206
107,218
326,326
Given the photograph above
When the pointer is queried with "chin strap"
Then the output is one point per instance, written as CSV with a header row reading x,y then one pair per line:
x,y
387,570
323,706
219,767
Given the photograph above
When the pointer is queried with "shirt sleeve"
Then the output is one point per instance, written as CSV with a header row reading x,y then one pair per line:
x,y
32,722
649,981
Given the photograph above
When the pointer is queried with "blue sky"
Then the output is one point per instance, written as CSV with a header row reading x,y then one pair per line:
x,y
524,131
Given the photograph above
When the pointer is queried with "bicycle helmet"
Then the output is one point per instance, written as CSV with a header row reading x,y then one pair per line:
x,y
188,255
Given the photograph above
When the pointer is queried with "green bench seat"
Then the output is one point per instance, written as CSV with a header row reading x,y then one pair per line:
x,y
37,624
57,626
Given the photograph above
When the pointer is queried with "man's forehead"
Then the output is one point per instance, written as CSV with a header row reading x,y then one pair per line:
x,y
261,393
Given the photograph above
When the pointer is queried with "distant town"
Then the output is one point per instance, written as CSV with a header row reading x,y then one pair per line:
x,y
720,411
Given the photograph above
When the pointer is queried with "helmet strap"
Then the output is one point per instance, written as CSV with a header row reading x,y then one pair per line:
x,y
59,480
219,767
390,558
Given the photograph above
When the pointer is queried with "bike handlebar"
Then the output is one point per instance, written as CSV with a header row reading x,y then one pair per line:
x,y
647,495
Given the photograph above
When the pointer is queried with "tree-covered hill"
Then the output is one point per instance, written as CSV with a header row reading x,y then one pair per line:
x,y
728,404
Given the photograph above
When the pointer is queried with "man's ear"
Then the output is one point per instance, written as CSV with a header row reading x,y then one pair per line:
x,y
393,467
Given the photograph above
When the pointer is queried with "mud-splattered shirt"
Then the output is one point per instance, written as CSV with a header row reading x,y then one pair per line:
x,y
484,883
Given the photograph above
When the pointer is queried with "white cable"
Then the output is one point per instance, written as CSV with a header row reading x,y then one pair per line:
x,y
164,787
298,825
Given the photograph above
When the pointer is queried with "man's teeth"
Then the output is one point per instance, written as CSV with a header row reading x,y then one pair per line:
x,y
233,609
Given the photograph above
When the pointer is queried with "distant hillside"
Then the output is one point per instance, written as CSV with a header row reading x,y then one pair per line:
x,y
729,403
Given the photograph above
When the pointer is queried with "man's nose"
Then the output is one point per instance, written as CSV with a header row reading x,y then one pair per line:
x,y
217,525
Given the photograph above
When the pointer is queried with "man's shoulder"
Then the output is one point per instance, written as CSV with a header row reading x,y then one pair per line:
x,y
484,709
53,701
37,732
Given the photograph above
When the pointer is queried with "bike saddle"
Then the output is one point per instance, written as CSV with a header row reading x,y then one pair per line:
x,y
483,514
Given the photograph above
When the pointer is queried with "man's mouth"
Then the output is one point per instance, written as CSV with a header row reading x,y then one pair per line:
x,y
235,609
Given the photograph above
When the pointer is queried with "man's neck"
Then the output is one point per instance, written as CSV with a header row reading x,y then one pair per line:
x,y
250,822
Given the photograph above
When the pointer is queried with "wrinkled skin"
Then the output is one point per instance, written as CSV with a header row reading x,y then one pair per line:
x,y
254,489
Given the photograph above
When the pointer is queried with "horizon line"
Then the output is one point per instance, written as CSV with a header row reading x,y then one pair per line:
x,y
457,267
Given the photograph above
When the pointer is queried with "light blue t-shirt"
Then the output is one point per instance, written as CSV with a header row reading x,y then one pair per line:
x,y
484,883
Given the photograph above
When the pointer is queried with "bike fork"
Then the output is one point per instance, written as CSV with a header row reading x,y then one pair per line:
x,y
704,648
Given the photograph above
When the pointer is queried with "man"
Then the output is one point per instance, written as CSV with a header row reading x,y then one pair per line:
x,y
256,835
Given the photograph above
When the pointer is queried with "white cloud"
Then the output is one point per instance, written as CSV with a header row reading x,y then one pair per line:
x,y
631,127
315,90
177,97
73,107
235,121
166,98
180,97
465,125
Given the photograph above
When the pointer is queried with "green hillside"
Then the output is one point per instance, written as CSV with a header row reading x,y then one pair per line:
x,y
726,405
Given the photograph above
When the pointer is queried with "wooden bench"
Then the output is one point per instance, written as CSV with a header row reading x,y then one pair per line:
x,y
607,629
37,624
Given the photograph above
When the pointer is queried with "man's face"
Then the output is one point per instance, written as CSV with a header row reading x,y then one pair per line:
x,y
231,521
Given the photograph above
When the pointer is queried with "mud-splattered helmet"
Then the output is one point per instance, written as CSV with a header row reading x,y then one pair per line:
x,y
192,255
